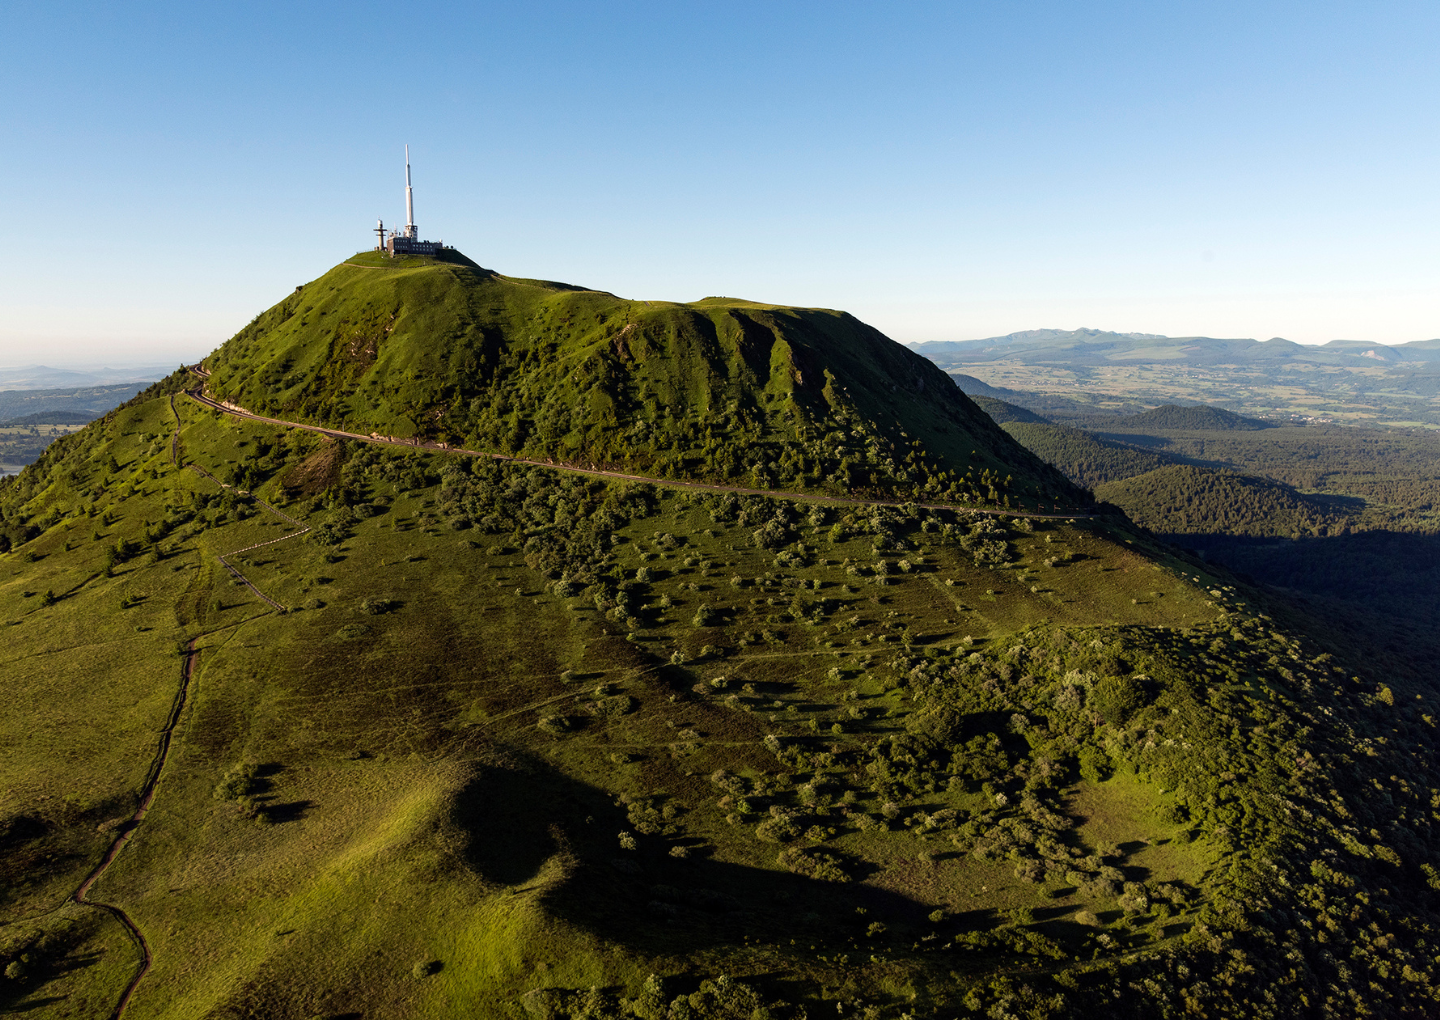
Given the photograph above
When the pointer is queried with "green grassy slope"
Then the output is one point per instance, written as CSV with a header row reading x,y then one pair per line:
x,y
524,739
719,389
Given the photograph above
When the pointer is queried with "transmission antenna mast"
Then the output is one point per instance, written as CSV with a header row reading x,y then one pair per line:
x,y
410,230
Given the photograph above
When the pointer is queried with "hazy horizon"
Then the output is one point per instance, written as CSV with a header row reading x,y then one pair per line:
x,y
941,171
141,361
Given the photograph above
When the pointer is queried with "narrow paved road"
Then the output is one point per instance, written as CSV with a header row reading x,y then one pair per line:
x,y
234,410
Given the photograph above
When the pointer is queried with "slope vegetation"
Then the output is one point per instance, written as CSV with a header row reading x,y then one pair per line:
x,y
720,389
1173,417
1184,500
1004,412
1083,457
523,743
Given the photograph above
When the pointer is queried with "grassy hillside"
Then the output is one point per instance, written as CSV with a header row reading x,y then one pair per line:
x,y
721,389
524,743
1184,500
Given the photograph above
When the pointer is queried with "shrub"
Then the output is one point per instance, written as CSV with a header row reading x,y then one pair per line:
x,y
822,865
1094,764
543,1003
939,724
778,829
613,706
1117,698
239,781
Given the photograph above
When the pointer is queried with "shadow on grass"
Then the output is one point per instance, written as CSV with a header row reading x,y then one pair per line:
x,y
291,811
517,815
33,1005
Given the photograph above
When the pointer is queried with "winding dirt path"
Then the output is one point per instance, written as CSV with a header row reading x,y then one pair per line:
x,y
162,751
147,796
150,787
234,410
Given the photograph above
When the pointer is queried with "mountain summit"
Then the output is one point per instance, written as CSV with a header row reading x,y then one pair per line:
x,y
720,390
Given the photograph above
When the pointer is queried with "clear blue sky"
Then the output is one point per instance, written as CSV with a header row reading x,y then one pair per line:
x,y
944,171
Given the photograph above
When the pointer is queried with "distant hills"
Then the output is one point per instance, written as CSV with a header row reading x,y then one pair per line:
x,y
51,418
1198,417
90,401
39,377
1098,346
1077,374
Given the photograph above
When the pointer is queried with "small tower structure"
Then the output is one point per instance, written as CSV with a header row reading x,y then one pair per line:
x,y
406,240
411,231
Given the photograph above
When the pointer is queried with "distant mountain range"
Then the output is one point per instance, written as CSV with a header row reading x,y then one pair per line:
x,y
1095,347
1077,373
43,377
53,405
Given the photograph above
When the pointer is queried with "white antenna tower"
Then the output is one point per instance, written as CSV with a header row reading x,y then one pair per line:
x,y
410,230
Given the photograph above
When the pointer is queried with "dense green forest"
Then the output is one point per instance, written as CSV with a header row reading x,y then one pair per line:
x,y
1331,477
1183,500
1187,418
1084,458
1393,469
